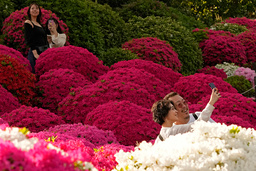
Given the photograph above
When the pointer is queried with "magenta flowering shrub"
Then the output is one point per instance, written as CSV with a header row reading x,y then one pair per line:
x,y
249,23
129,122
81,101
56,84
104,157
212,70
15,54
3,124
248,73
13,28
231,108
145,79
166,75
33,118
194,87
156,50
248,40
7,101
88,133
218,49
71,57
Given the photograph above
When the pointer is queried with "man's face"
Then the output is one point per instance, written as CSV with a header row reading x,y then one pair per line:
x,y
182,108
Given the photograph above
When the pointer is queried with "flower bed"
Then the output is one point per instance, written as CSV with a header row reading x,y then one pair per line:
x,y
129,122
229,68
247,73
212,70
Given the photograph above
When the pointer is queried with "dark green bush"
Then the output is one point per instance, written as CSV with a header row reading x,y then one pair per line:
x,y
231,27
6,8
114,3
144,8
241,84
179,37
114,55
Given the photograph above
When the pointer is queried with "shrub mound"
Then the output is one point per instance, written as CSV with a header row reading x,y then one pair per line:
x,y
166,75
246,72
153,49
71,57
13,28
15,54
229,68
212,70
7,101
17,79
231,27
249,23
119,116
55,85
228,106
195,87
33,118
81,101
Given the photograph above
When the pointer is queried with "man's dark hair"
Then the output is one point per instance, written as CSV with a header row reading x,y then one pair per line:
x,y
171,94
38,18
160,110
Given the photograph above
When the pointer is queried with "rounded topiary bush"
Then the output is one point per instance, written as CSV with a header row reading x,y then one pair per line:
x,y
16,55
81,101
194,87
119,116
241,84
249,23
246,72
166,75
55,85
153,49
114,55
166,29
212,70
218,49
7,101
231,27
17,79
71,57
33,118
13,28
229,106
140,77
229,68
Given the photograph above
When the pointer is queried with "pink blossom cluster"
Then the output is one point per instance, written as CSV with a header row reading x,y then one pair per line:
x,y
7,101
3,124
218,49
194,87
249,23
81,101
13,28
145,79
15,54
212,70
56,84
130,123
231,108
33,118
248,73
78,59
156,50
166,75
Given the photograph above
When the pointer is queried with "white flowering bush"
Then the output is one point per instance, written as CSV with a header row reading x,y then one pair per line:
x,y
229,68
210,146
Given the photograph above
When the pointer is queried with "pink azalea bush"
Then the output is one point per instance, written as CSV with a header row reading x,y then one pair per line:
x,y
166,75
145,79
81,101
156,50
218,49
248,73
195,87
248,40
15,54
130,123
249,23
56,84
3,124
13,27
33,118
212,70
71,57
231,108
17,79
7,101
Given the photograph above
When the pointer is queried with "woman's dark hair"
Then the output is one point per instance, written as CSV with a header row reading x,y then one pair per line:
x,y
56,22
38,18
160,110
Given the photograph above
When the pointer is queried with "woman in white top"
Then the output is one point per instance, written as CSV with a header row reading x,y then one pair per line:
x,y
165,114
55,37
